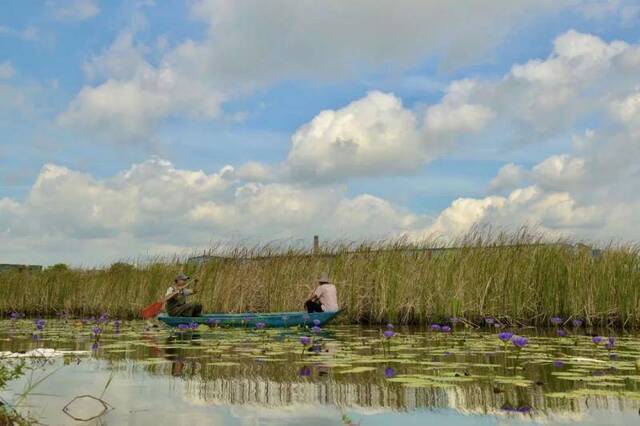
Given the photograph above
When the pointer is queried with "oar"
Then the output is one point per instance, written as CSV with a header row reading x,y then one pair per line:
x,y
155,308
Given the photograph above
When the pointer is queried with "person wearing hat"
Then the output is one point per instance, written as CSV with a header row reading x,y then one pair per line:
x,y
324,298
176,299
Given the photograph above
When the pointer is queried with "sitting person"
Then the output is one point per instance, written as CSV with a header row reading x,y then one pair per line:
x,y
176,299
324,298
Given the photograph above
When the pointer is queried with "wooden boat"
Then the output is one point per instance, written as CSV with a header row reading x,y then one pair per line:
x,y
271,320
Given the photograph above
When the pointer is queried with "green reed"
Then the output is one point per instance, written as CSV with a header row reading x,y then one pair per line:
x,y
519,278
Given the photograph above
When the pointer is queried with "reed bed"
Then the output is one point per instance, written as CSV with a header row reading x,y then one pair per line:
x,y
517,278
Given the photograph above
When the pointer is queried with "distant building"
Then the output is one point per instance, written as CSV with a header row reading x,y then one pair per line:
x,y
12,267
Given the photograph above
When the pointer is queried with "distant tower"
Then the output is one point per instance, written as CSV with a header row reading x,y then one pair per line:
x,y
316,244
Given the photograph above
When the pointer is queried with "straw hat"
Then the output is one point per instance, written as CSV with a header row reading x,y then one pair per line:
x,y
324,278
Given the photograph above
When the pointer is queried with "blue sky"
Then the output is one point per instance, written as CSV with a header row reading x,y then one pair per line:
x,y
424,108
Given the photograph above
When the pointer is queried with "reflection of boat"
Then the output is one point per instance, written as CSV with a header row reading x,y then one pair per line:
x,y
277,319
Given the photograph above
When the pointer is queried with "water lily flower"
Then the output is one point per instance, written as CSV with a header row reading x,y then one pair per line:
x,y
577,323
14,316
556,320
304,371
561,332
316,322
390,326
519,341
194,325
104,317
389,372
96,331
596,340
95,346
445,329
435,327
505,336
612,340
558,364
40,324
305,340
260,325
316,329
388,334
608,346
183,326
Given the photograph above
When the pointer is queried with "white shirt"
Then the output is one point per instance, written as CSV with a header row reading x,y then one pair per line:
x,y
328,297
172,289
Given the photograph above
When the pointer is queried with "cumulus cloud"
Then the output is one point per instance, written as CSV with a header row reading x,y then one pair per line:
x,y
589,192
244,50
373,135
154,206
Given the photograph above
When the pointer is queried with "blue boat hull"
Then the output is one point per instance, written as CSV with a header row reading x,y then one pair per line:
x,y
271,320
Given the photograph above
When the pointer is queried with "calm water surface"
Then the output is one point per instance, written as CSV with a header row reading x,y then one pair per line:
x,y
346,375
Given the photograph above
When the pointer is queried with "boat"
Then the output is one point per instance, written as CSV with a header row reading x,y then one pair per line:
x,y
270,320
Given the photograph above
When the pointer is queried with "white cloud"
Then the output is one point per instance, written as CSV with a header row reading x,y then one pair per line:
x,y
509,177
74,10
373,135
244,50
155,208
6,70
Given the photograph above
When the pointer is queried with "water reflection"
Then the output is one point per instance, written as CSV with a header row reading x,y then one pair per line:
x,y
349,369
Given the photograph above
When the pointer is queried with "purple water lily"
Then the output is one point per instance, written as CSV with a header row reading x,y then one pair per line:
x,y
561,332
194,325
316,322
612,341
435,327
577,323
315,329
388,334
505,336
556,320
390,326
40,323
260,325
96,331
104,317
183,326
558,364
389,372
519,341
304,371
15,316
608,346
305,340
445,329
95,346
596,340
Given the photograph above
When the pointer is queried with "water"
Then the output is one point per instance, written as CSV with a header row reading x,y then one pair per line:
x,y
155,376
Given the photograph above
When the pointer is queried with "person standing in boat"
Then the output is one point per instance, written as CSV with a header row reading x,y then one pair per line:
x,y
176,299
324,298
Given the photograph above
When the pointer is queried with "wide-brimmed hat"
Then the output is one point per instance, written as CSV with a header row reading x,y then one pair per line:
x,y
182,277
324,278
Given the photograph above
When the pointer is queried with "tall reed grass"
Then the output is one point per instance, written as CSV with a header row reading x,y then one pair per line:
x,y
514,277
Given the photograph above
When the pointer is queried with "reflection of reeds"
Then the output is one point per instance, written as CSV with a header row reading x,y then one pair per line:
x,y
509,276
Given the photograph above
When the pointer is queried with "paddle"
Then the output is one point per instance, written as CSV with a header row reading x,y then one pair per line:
x,y
155,308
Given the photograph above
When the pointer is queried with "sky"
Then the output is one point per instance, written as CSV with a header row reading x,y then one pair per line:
x,y
133,129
